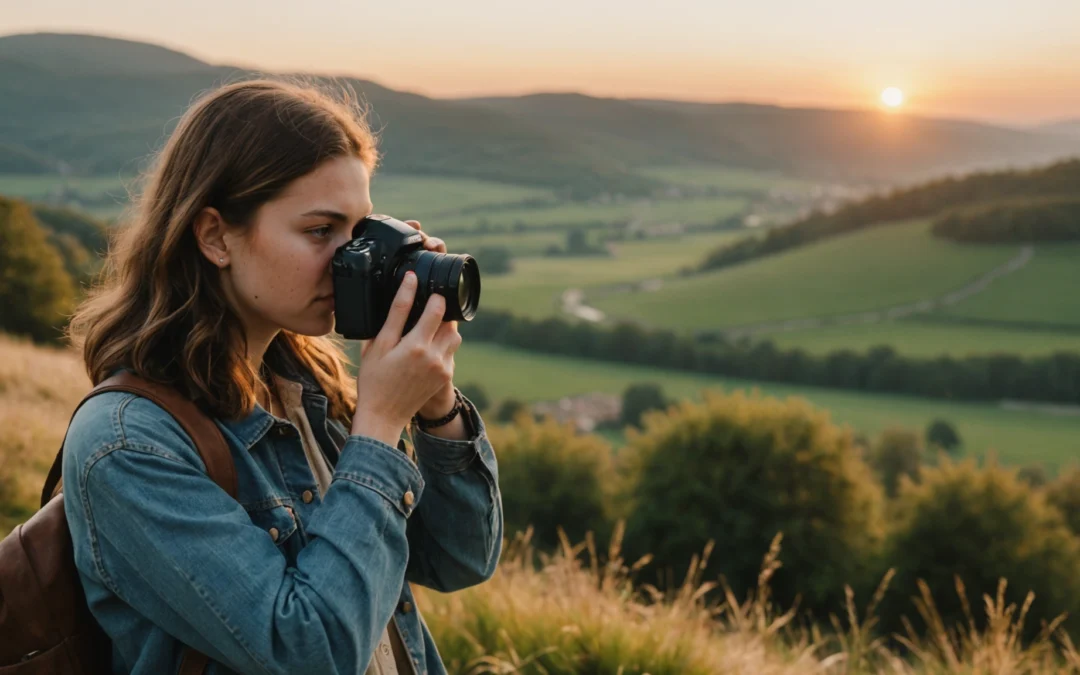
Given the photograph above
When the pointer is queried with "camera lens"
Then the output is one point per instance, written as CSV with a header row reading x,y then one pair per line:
x,y
455,277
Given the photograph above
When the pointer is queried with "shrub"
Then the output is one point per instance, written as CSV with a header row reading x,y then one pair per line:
x,y
898,452
1064,494
477,394
943,435
35,291
738,469
550,477
639,399
980,525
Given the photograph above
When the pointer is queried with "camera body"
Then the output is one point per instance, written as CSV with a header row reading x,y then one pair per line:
x,y
368,270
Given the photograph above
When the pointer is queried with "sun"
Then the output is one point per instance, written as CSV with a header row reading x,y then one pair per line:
x,y
892,97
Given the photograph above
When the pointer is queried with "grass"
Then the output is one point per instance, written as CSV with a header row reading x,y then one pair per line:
x,y
729,179
535,285
582,610
1015,436
927,338
39,389
423,197
872,269
1044,291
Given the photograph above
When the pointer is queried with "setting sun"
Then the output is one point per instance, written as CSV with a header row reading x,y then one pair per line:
x,y
892,97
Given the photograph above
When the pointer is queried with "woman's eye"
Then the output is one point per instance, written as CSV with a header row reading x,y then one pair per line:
x,y
320,232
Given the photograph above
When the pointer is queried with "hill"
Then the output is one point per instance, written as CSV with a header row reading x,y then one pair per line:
x,y
60,105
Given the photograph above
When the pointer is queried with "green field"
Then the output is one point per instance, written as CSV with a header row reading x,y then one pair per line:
x,y
535,285
1046,290
927,338
1017,437
729,179
872,269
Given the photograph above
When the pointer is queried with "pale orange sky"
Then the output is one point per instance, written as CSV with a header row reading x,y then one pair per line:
x,y
1011,61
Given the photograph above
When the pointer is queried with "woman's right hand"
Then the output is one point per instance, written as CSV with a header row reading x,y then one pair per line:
x,y
399,374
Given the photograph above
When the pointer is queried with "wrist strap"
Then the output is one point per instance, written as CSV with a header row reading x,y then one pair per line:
x,y
426,424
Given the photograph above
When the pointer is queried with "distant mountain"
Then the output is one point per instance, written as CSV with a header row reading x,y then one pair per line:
x,y
96,104
1063,128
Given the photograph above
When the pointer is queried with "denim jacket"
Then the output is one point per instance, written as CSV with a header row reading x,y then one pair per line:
x,y
278,581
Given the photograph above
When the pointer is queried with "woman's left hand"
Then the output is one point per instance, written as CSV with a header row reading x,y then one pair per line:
x,y
444,400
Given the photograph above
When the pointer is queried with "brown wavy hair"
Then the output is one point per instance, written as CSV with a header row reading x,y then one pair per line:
x,y
159,309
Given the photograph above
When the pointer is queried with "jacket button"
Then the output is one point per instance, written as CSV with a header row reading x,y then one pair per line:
x,y
409,498
406,607
307,496
274,533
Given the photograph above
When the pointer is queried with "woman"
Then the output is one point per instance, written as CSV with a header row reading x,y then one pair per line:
x,y
220,287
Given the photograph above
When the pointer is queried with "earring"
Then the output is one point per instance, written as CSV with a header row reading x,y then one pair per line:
x,y
221,260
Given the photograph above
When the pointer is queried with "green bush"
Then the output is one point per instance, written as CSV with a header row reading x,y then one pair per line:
x,y
477,394
1063,493
981,525
897,453
737,469
35,291
640,398
550,477
942,434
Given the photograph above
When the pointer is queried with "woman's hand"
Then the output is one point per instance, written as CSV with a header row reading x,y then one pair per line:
x,y
399,375
441,403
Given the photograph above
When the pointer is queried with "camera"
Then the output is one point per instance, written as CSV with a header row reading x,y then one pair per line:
x,y
369,269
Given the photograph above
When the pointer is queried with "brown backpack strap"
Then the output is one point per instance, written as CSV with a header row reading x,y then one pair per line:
x,y
202,430
208,441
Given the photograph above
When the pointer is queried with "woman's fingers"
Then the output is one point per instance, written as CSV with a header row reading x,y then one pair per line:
x,y
430,243
391,331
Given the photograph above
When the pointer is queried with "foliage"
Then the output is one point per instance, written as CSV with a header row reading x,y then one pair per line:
x,y
897,453
639,398
739,469
550,477
476,393
943,434
1064,494
980,525
35,290
1044,220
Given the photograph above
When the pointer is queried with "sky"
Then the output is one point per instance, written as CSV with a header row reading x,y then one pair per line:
x,y
1006,61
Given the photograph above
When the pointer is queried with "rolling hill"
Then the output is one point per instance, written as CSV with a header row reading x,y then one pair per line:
x,y
95,104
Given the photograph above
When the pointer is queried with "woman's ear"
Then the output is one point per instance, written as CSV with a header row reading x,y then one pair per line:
x,y
209,231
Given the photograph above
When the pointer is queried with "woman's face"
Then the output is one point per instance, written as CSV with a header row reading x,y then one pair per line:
x,y
278,276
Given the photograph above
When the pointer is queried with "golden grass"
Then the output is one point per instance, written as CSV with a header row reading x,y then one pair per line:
x,y
39,389
572,614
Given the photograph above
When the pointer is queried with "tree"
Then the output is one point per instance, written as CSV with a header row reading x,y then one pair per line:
x,y
738,469
475,393
551,477
1063,493
640,398
897,453
981,525
494,259
509,410
942,434
35,291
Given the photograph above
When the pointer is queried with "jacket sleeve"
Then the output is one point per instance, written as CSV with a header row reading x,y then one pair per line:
x,y
455,535
168,541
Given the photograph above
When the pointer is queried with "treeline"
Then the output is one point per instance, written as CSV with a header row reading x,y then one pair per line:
x,y
922,201
1054,378
46,257
1013,222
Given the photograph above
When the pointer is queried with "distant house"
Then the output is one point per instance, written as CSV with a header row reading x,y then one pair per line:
x,y
585,411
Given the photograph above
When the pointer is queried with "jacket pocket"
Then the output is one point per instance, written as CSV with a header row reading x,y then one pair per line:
x,y
280,524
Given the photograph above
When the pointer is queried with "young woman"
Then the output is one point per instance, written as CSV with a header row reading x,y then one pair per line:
x,y
220,287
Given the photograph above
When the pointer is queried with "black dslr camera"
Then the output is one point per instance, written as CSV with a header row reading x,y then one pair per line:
x,y
369,269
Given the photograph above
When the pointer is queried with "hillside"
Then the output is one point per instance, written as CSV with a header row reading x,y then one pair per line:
x,y
63,107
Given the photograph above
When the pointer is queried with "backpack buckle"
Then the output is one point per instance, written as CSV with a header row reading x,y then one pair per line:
x,y
29,656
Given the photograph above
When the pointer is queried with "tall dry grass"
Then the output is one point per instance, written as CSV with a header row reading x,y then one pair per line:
x,y
572,614
39,389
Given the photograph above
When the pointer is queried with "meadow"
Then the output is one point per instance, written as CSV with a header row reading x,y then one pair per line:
x,y
873,269
1015,436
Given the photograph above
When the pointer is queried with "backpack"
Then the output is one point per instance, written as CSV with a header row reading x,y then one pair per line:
x,y
45,623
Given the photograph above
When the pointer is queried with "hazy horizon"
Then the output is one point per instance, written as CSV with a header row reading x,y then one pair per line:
x,y
987,61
